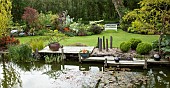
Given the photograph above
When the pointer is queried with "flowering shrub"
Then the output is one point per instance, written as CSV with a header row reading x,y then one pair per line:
x,y
84,51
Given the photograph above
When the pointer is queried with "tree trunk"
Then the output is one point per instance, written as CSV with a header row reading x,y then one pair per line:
x,y
118,6
161,36
160,40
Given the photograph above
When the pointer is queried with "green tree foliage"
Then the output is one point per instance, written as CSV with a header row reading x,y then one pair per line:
x,y
45,19
18,9
5,15
149,17
153,16
131,4
86,9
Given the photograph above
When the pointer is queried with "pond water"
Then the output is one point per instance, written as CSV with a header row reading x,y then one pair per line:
x,y
41,75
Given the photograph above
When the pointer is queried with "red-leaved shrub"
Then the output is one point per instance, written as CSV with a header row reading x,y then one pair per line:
x,y
7,40
30,16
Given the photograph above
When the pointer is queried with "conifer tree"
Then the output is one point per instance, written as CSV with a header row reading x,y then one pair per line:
x,y
5,15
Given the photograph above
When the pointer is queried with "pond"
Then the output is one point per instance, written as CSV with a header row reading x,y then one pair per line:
x,y
71,74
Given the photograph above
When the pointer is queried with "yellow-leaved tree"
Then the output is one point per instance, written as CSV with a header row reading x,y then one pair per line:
x,y
5,15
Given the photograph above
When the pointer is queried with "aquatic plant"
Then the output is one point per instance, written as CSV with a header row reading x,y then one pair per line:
x,y
52,58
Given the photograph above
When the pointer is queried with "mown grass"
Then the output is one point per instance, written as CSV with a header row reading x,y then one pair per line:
x,y
118,37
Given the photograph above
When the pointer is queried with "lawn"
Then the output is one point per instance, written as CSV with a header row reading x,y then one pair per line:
x,y
118,37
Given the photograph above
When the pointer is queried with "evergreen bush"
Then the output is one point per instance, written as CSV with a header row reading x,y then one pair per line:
x,y
134,43
143,48
125,46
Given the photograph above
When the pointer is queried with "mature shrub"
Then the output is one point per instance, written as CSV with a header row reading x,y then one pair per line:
x,y
44,20
125,46
95,29
143,48
127,20
134,43
20,53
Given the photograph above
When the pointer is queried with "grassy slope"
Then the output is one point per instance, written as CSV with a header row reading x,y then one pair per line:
x,y
118,37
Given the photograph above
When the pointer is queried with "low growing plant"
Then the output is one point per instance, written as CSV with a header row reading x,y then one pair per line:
x,y
143,48
125,46
37,43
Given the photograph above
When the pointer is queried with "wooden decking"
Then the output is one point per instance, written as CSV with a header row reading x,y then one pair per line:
x,y
109,61
99,59
67,49
126,63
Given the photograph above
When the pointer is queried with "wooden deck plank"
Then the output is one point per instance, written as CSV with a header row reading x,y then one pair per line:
x,y
162,61
110,58
67,49
126,63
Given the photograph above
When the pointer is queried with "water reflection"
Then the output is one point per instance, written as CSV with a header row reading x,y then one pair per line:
x,y
158,77
39,74
10,77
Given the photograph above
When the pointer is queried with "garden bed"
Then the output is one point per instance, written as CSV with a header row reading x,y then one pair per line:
x,y
117,52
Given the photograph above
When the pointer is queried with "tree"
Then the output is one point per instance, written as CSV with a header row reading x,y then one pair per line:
x,y
85,9
119,7
153,15
18,9
30,16
5,16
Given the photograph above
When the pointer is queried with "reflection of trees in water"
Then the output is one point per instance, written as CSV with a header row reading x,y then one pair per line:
x,y
28,66
11,77
54,70
158,79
